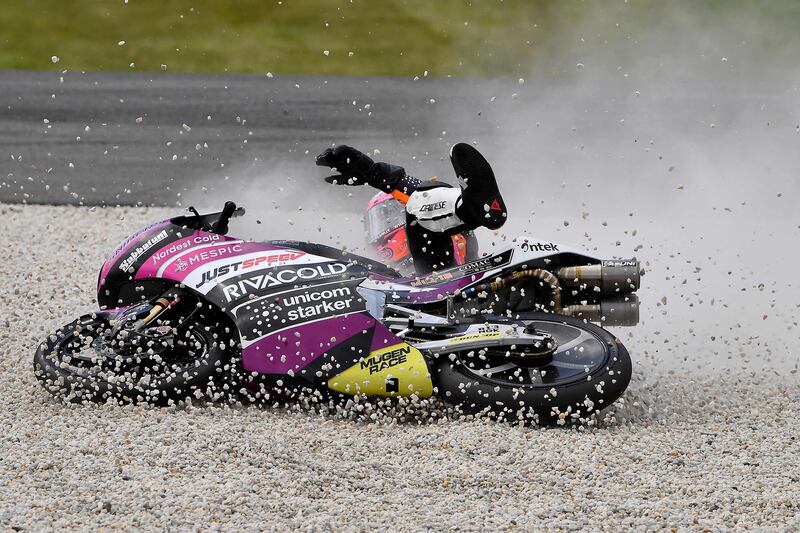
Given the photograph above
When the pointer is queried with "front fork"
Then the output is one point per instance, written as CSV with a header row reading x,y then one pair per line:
x,y
159,307
132,326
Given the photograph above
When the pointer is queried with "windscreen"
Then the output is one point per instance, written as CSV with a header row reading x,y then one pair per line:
x,y
382,218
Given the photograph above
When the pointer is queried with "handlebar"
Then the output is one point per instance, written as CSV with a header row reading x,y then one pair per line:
x,y
221,225
213,222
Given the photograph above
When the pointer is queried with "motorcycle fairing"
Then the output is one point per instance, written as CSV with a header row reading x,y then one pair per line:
x,y
166,251
398,369
292,308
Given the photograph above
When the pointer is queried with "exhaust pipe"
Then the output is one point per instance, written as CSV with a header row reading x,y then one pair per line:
x,y
622,310
616,276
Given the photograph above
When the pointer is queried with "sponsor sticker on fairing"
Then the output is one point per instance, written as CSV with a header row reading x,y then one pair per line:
x,y
183,245
141,249
485,264
279,276
432,279
474,337
309,305
539,246
261,261
289,308
387,358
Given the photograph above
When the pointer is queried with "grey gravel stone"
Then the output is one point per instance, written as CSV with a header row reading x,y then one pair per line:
x,y
681,450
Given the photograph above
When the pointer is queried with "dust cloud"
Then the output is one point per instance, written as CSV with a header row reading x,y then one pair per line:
x,y
668,132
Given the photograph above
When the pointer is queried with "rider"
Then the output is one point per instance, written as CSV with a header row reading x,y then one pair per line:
x,y
434,210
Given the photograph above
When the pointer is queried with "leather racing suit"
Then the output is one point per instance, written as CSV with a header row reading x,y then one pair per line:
x,y
434,210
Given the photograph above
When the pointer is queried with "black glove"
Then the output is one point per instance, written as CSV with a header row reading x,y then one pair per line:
x,y
354,167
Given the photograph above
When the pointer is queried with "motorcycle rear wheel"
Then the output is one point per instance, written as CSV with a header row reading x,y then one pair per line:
x,y
70,365
588,371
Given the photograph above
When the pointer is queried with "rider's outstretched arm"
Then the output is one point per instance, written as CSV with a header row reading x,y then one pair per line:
x,y
357,168
393,179
437,206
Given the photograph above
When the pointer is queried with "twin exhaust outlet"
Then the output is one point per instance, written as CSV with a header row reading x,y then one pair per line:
x,y
604,291
612,283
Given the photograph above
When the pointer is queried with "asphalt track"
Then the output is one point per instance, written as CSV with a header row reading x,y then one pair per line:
x,y
125,138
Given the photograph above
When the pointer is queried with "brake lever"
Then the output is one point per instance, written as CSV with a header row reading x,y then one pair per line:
x,y
198,218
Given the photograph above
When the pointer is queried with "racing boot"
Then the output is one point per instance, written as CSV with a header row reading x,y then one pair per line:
x,y
481,203
441,208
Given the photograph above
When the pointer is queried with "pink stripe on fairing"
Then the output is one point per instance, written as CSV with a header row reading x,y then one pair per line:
x,y
246,248
230,248
196,240
125,246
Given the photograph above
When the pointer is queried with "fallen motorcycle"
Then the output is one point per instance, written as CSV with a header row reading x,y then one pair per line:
x,y
189,312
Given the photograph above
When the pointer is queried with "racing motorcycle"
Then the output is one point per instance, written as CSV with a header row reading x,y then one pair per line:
x,y
188,312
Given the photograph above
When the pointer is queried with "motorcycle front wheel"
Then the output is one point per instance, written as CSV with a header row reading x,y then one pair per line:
x,y
588,370
76,363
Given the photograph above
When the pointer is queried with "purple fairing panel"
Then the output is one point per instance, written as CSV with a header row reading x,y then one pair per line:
x,y
294,349
127,246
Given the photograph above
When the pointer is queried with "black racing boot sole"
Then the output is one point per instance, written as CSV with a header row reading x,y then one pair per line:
x,y
481,202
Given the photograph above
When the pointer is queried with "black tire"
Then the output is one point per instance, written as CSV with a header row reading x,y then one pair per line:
x,y
201,380
461,380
